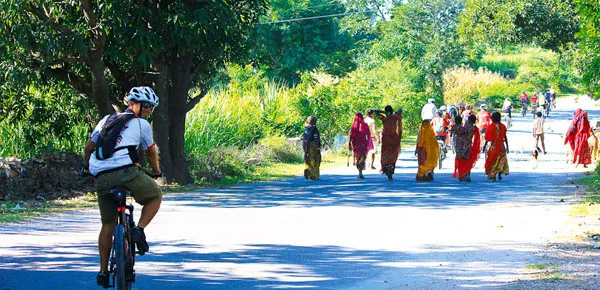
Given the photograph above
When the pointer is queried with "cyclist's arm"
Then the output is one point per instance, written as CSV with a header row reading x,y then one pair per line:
x,y
152,156
90,146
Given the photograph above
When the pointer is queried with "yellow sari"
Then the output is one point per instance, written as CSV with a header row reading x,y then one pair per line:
x,y
428,152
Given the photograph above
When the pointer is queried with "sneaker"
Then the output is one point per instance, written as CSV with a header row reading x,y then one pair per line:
x,y
102,279
139,238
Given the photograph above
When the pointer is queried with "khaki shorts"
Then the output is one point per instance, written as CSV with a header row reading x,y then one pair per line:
x,y
143,189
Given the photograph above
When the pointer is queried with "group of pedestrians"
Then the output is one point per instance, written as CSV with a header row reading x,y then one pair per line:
x,y
467,129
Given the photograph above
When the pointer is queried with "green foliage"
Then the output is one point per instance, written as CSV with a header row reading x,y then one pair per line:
x,y
49,122
280,149
221,164
304,43
423,33
588,57
549,23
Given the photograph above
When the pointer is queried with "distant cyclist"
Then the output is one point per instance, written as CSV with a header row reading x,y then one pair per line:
x,y
121,169
524,101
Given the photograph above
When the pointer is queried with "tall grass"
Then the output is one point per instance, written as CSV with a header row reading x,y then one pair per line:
x,y
464,84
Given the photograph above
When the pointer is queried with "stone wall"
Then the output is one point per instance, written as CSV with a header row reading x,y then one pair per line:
x,y
51,176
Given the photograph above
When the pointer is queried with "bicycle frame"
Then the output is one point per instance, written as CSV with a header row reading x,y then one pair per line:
x,y
122,257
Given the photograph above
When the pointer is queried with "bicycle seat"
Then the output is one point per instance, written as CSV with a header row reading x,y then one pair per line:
x,y
120,192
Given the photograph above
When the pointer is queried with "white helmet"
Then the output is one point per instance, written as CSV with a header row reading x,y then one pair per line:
x,y
431,100
483,107
443,108
143,94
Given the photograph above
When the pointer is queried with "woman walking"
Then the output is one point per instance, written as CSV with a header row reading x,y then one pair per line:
x,y
427,150
496,162
360,142
391,135
577,136
311,143
468,145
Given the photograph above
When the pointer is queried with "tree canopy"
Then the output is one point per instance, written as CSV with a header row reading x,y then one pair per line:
x,y
100,49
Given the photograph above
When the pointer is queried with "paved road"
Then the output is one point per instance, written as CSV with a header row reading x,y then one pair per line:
x,y
336,233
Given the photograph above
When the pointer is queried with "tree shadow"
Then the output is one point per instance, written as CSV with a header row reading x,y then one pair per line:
x,y
180,265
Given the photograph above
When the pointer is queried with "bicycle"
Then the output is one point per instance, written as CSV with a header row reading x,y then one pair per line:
x,y
507,120
523,111
122,258
441,140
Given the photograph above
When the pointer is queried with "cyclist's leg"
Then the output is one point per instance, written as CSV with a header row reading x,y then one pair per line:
x,y
105,245
147,193
108,214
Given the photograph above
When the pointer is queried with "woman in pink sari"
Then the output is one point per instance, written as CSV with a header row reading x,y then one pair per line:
x,y
577,136
360,142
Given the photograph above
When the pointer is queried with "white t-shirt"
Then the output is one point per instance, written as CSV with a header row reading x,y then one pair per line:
x,y
428,112
137,131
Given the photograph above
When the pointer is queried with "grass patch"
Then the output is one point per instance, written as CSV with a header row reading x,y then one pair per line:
x,y
548,271
18,211
540,266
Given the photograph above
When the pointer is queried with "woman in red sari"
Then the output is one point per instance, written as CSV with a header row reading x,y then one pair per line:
x,y
577,136
360,142
391,135
496,162
467,147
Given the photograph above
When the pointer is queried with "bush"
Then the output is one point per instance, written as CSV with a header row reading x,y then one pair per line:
x,y
280,149
219,163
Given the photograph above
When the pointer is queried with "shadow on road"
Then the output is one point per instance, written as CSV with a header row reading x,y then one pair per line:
x,y
375,190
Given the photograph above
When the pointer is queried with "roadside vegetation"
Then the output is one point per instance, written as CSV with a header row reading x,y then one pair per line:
x,y
247,92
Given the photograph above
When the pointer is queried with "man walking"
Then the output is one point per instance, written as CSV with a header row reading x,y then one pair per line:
x,y
538,131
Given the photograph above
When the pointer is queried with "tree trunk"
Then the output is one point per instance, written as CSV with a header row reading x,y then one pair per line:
x,y
161,120
181,82
100,88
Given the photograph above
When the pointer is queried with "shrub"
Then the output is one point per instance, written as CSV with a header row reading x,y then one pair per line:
x,y
219,163
280,149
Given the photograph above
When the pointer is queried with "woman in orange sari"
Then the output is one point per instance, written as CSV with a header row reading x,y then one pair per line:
x,y
391,135
427,150
496,162
577,136
360,142
467,147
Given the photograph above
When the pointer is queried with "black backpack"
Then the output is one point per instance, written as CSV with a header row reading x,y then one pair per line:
x,y
111,131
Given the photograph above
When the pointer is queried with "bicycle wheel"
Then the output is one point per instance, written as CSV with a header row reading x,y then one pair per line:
x,y
440,157
120,257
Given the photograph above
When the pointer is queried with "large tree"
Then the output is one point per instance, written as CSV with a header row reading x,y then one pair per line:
x,y
589,44
423,32
300,36
548,23
101,49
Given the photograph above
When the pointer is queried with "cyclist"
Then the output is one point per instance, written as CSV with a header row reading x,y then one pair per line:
x,y
484,118
449,120
543,105
548,97
440,128
534,103
524,101
121,170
